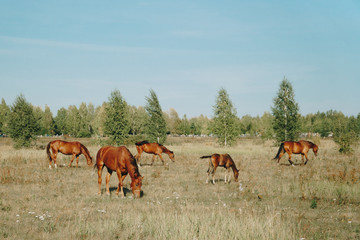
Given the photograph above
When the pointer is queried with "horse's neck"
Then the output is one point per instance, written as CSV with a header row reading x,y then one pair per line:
x,y
233,167
132,169
85,152
165,150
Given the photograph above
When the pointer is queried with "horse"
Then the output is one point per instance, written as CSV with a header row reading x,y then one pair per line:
x,y
68,148
301,147
222,160
118,159
153,148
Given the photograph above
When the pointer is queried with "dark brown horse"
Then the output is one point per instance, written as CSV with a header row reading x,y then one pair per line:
x,y
68,148
301,147
152,148
118,159
222,160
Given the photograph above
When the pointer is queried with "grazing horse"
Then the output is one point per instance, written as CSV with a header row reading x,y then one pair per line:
x,y
68,148
301,147
118,159
222,160
153,148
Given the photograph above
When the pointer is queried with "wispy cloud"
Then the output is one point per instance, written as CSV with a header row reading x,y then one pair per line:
x,y
71,45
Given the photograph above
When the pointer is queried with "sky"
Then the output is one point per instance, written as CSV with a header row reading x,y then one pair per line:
x,y
62,53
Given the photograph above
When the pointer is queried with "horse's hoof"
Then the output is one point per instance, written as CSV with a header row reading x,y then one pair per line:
x,y
107,193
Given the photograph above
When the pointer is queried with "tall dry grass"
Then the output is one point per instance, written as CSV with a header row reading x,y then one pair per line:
x,y
318,201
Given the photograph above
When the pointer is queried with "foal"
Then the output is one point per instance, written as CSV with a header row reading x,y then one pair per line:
x,y
222,160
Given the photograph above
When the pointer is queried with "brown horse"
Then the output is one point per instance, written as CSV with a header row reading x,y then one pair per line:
x,y
301,147
118,159
68,148
153,148
222,160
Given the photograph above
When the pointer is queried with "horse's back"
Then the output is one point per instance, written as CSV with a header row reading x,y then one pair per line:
x,y
113,156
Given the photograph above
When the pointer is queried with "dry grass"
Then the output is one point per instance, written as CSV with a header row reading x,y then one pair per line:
x,y
318,201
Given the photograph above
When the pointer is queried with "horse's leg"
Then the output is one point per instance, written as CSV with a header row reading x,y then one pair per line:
x,y
307,159
50,160
77,160
153,159
120,186
107,182
291,162
100,168
227,172
54,158
72,159
161,158
213,174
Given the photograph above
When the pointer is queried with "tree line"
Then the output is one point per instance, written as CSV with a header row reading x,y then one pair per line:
x,y
120,121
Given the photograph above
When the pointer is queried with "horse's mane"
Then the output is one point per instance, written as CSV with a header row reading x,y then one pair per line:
x,y
85,149
165,150
141,143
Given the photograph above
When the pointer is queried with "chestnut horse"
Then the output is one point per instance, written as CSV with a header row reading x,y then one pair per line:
x,y
118,159
68,148
222,160
153,148
301,147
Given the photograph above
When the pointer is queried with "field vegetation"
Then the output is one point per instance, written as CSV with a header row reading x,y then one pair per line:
x,y
318,201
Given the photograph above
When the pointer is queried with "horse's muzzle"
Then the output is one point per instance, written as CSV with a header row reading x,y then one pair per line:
x,y
137,193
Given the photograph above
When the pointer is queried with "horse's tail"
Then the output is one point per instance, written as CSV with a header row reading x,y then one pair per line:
x,y
206,156
48,151
141,143
281,149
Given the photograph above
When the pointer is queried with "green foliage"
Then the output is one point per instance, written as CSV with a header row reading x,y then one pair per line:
x,y
137,118
155,122
60,121
345,133
4,115
23,125
286,123
224,121
313,204
117,124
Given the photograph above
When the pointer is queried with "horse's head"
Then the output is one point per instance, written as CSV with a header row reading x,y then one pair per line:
x,y
89,160
315,149
136,186
171,155
236,175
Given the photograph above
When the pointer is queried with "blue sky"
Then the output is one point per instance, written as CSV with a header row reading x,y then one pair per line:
x,y
62,53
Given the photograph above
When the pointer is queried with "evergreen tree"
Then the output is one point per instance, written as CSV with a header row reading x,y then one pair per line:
x,y
156,125
4,115
285,111
117,124
23,125
224,121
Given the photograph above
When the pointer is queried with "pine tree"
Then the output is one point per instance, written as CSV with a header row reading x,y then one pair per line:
x,y
286,114
224,121
156,125
23,125
117,124
4,115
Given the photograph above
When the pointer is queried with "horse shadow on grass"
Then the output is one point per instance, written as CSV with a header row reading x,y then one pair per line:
x,y
126,191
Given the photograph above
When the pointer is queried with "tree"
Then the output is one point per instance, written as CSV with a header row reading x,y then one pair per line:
x,y
286,114
345,133
60,121
224,121
47,122
156,125
117,124
23,125
4,115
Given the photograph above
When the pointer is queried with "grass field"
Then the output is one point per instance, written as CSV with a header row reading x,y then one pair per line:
x,y
318,201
